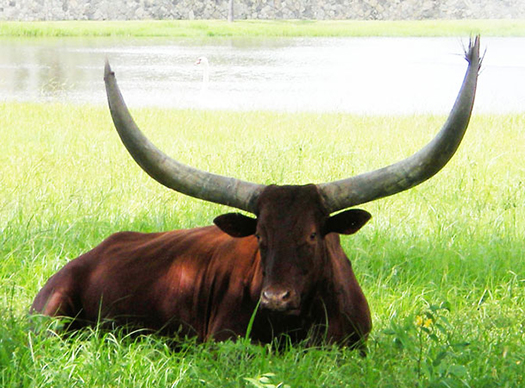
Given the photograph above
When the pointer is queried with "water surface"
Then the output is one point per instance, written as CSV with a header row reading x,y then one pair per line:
x,y
361,75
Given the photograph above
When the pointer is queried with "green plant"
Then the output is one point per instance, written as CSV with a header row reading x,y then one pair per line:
x,y
266,381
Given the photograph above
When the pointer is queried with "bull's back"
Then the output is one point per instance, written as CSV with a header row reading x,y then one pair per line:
x,y
154,280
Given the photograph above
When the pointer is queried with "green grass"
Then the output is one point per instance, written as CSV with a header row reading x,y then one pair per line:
x,y
448,254
257,28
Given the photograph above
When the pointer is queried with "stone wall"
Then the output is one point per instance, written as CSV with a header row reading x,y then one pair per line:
x,y
259,9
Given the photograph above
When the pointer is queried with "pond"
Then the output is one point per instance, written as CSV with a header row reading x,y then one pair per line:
x,y
359,75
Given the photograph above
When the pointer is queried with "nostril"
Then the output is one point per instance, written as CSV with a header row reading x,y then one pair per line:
x,y
285,296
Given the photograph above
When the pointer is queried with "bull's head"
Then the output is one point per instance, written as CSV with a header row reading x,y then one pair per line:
x,y
291,226
292,222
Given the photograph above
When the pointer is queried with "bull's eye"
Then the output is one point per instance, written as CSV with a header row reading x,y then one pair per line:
x,y
313,236
258,236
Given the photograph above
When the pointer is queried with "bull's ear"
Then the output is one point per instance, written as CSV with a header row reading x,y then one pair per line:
x,y
347,222
236,224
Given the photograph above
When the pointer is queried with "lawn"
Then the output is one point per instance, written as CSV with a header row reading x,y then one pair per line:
x,y
262,28
442,265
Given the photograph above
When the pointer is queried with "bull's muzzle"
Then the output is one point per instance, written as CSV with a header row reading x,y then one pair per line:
x,y
280,299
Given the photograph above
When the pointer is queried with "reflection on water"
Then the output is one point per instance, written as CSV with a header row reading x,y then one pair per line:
x,y
364,75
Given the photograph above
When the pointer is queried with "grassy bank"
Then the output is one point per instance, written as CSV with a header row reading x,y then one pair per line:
x,y
443,265
252,28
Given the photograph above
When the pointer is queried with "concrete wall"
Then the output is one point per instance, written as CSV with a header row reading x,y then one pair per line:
x,y
259,9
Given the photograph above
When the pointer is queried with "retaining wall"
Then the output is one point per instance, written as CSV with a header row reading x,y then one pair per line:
x,y
28,10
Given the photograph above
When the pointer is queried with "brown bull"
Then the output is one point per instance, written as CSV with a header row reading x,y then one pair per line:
x,y
286,267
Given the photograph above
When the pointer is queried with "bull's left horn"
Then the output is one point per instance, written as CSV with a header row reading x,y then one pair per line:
x,y
167,171
419,167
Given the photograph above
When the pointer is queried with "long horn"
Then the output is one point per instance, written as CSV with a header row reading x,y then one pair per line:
x,y
419,167
167,171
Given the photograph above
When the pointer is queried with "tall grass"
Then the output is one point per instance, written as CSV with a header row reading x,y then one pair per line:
x,y
442,265
263,28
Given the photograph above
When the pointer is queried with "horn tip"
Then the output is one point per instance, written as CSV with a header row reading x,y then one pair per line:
x,y
107,71
472,52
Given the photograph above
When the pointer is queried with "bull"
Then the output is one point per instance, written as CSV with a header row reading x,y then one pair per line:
x,y
282,272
